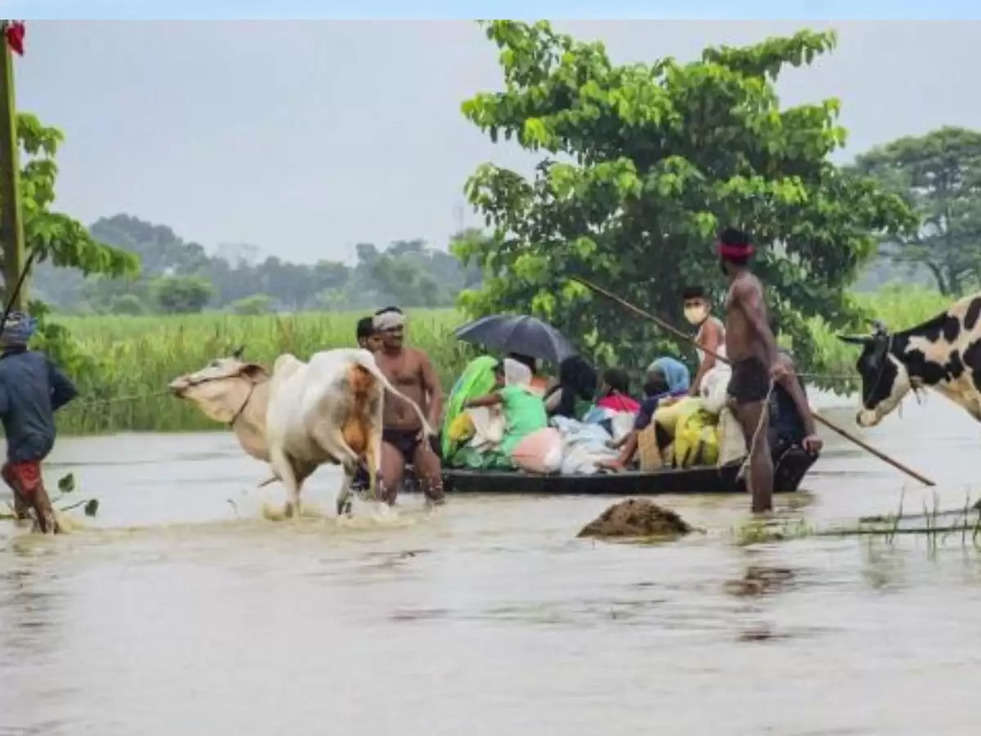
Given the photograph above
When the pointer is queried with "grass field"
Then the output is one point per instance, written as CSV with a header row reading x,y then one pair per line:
x,y
137,356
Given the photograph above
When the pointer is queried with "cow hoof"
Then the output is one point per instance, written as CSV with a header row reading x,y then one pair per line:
x,y
288,510
345,508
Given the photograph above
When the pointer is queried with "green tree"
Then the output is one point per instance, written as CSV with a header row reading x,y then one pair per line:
x,y
181,294
255,304
646,163
54,235
57,239
127,304
939,176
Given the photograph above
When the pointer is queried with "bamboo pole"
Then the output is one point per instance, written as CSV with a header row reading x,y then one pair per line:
x,y
11,224
817,417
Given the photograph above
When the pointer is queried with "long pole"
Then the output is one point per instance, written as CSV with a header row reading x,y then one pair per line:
x,y
688,338
11,224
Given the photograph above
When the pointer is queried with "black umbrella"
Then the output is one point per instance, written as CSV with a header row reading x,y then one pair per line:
x,y
518,334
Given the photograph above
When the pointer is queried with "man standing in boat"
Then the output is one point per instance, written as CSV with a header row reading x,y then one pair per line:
x,y
751,347
403,438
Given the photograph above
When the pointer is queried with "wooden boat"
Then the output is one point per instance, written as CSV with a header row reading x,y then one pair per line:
x,y
789,471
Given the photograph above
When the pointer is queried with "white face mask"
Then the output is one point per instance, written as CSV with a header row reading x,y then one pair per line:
x,y
696,314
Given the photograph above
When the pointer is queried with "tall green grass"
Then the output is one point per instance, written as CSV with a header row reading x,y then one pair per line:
x,y
137,356
898,307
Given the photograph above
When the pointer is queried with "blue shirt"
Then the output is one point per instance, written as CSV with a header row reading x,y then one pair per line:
x,y
31,390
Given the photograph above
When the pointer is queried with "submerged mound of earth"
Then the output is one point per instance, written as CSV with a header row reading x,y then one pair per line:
x,y
636,518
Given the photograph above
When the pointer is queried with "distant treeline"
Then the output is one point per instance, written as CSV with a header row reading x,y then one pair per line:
x,y
179,276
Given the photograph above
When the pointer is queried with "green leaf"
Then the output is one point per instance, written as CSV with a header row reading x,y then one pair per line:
x,y
66,484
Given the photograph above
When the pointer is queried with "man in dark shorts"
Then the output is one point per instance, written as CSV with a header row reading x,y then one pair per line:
x,y
751,347
31,390
403,438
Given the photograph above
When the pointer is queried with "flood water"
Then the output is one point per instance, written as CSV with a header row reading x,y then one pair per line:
x,y
180,609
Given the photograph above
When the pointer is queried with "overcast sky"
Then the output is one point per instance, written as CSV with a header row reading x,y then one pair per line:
x,y
305,138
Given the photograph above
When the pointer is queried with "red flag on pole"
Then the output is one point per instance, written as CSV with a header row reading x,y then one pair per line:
x,y
14,32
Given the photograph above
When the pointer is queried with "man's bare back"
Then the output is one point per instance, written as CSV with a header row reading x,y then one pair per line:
x,y
745,309
751,347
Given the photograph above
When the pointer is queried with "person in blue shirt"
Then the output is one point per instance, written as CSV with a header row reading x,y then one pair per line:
x,y
32,388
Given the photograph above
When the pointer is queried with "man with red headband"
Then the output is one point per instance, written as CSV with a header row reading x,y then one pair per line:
x,y
751,347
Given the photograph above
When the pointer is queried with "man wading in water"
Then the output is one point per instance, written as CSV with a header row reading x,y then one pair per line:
x,y
403,438
753,351
31,390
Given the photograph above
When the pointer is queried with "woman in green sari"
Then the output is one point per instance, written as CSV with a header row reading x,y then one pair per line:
x,y
476,380
523,408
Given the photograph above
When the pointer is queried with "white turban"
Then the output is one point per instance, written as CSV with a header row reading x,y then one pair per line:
x,y
388,320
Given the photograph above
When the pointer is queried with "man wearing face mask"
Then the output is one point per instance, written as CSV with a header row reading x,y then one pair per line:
x,y
711,332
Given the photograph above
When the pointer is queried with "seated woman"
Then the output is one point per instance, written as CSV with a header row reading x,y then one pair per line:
x,y
523,409
615,392
576,387
538,383
475,380
666,379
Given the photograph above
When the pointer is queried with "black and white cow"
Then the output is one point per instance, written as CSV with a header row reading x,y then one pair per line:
x,y
943,353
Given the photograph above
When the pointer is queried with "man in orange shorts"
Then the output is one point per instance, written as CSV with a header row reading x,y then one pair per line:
x,y
31,390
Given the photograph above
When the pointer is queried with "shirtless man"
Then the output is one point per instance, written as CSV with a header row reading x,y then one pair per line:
x,y
711,332
751,347
403,439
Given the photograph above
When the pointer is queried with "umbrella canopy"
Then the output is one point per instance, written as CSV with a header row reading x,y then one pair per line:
x,y
518,334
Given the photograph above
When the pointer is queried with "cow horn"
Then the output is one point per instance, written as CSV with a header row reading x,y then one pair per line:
x,y
855,339
237,353
879,327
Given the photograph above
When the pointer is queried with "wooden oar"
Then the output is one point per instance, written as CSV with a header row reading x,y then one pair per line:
x,y
688,338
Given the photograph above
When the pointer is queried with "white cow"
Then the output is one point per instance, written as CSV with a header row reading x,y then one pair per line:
x,y
326,411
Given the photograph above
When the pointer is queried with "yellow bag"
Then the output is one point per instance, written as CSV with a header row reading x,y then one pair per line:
x,y
696,439
461,428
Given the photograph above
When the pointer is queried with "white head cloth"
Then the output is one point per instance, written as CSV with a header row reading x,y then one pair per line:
x,y
388,320
516,373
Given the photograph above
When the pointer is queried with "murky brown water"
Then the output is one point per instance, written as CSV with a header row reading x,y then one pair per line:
x,y
177,611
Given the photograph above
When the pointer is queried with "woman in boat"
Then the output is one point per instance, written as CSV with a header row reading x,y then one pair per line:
x,y
476,380
539,383
572,396
615,392
666,379
524,411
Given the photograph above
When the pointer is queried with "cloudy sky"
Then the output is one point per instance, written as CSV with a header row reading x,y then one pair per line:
x,y
305,138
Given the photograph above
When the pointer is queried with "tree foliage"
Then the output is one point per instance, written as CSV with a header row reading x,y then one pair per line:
x,y
644,164
252,305
181,294
53,235
409,272
939,176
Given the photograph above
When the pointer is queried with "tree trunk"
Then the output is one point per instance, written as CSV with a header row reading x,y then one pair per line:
x,y
938,275
11,226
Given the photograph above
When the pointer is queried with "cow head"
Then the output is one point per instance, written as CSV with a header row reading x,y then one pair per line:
x,y
885,380
222,387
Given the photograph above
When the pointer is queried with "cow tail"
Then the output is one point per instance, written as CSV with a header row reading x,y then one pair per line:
x,y
366,361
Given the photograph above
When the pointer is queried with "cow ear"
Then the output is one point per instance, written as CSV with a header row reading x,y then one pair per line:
x,y
855,339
